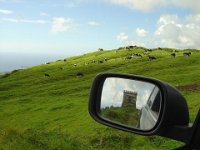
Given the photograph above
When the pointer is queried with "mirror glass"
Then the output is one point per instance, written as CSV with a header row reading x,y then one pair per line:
x,y
131,103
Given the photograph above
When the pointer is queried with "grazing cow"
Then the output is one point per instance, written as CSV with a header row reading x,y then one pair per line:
x,y
139,55
46,75
152,57
100,49
136,54
75,65
93,61
106,59
79,74
173,55
187,53
100,61
149,50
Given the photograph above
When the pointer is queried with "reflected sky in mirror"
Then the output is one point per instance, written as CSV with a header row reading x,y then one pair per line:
x,y
113,89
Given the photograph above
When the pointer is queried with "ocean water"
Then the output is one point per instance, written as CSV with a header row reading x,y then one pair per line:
x,y
12,61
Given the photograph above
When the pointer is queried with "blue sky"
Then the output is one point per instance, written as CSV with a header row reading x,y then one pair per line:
x,y
73,27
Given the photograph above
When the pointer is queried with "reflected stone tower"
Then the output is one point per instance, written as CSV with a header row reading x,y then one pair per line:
x,y
129,98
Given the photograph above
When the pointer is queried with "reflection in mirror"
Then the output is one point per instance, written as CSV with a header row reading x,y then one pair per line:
x,y
131,103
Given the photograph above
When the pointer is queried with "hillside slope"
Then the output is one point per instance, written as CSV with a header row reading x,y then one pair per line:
x,y
45,107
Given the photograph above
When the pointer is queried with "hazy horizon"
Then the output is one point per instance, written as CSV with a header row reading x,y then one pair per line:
x,y
10,61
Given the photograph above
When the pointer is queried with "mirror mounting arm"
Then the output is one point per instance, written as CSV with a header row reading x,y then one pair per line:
x,y
187,134
195,141
179,133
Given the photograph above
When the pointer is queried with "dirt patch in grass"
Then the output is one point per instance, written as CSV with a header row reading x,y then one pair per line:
x,y
193,87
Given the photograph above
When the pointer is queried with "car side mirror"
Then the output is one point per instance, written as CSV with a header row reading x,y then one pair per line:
x,y
140,105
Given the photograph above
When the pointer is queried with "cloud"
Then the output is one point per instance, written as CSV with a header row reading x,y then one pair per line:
x,y
149,5
61,24
172,31
178,32
142,5
141,32
93,23
192,5
13,20
122,37
6,12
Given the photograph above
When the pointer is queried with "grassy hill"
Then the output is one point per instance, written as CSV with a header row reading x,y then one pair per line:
x,y
39,111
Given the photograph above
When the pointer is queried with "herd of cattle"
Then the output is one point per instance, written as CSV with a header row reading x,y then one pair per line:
x,y
146,52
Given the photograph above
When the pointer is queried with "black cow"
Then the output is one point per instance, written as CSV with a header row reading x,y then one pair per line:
x,y
80,74
187,53
100,61
106,59
46,75
173,55
152,57
100,49
136,54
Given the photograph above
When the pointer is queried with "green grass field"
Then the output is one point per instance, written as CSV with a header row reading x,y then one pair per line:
x,y
127,115
50,113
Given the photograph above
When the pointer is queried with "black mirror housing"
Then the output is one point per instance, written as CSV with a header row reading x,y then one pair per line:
x,y
173,113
